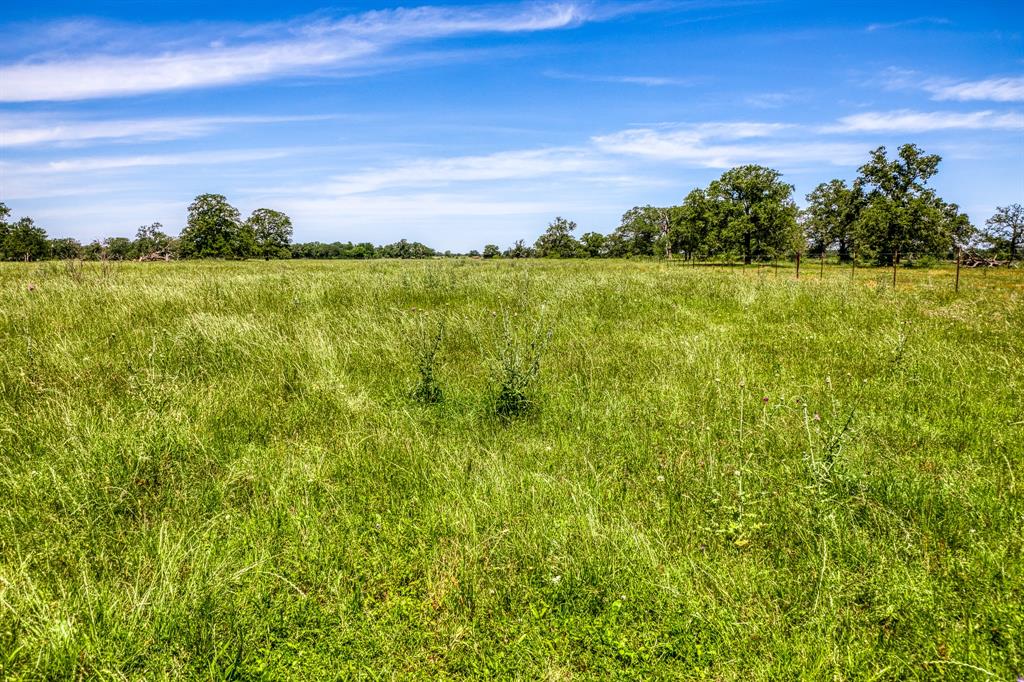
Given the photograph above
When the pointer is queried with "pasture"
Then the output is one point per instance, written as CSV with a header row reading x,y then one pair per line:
x,y
219,469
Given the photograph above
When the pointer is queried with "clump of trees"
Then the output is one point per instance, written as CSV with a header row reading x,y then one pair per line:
x,y
21,240
898,214
888,213
748,211
214,229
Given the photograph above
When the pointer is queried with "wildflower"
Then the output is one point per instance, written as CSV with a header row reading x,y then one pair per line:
x,y
764,400
555,579
817,417
661,479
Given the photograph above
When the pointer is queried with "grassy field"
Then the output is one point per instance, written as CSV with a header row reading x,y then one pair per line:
x,y
218,470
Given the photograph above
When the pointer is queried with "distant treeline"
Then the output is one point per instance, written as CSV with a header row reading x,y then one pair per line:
x,y
362,251
887,214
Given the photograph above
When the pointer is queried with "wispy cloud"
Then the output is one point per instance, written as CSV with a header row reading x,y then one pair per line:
x,y
721,145
98,175
254,54
1009,89
992,89
770,100
21,131
649,81
917,21
105,163
501,166
907,121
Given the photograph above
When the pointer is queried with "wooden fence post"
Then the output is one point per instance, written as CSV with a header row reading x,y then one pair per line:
x,y
956,287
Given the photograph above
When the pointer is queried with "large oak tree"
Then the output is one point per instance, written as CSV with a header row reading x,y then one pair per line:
x,y
755,210
213,230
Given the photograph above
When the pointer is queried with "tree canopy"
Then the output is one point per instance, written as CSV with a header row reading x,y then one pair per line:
x,y
213,230
755,210
1005,229
901,213
271,232
557,241
831,217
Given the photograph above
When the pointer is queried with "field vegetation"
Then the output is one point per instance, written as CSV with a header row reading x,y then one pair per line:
x,y
570,469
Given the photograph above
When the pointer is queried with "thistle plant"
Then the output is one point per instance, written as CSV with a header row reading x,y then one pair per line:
x,y
518,367
428,390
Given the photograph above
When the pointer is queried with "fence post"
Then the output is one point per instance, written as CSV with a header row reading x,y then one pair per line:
x,y
956,287
895,257
798,265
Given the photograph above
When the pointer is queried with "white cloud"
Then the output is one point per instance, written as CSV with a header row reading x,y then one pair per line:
x,y
994,89
22,131
770,100
917,21
511,165
990,89
118,76
432,22
71,177
352,42
907,121
722,145
93,164
649,81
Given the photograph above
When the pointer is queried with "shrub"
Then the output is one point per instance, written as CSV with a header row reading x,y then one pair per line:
x,y
517,368
428,390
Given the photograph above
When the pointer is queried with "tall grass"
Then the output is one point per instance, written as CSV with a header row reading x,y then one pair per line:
x,y
216,469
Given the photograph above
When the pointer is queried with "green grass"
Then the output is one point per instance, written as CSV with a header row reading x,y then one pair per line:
x,y
219,470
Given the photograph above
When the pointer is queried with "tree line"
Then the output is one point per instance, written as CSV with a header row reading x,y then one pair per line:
x,y
214,229
888,213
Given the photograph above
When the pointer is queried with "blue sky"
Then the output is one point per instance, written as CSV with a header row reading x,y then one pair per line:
x,y
464,124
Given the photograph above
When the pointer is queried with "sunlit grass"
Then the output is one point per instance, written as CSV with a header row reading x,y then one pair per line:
x,y
210,469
